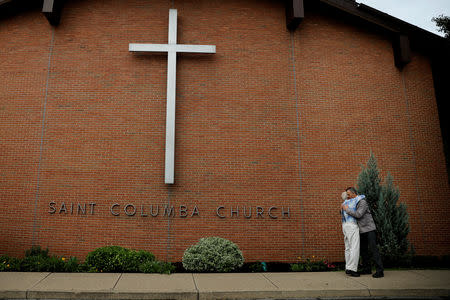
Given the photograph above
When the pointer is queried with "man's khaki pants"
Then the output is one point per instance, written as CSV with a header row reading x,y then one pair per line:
x,y
351,241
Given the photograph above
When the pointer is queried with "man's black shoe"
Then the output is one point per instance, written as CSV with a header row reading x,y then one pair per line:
x,y
353,273
378,275
347,272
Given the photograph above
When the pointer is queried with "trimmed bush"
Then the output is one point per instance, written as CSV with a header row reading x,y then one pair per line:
x,y
213,254
157,267
117,259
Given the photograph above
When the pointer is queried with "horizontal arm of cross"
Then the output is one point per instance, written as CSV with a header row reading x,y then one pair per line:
x,y
172,48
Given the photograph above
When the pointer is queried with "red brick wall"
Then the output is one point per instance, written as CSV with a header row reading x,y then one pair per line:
x,y
272,119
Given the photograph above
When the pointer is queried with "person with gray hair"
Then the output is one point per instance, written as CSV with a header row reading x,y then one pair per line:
x,y
367,230
351,237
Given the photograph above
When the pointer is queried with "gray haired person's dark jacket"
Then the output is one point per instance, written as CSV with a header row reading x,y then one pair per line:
x,y
363,216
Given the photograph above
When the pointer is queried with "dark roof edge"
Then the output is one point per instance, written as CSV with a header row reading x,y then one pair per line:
x,y
403,25
386,21
367,13
352,8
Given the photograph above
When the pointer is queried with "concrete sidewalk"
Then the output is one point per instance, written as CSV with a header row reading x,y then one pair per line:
x,y
411,283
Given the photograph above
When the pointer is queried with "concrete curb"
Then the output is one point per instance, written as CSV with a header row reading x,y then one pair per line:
x,y
301,294
89,286
108,295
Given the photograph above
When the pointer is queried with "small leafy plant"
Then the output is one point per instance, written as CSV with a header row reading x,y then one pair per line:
x,y
312,265
9,264
38,260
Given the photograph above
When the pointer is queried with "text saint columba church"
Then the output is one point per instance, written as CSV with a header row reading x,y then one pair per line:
x,y
152,124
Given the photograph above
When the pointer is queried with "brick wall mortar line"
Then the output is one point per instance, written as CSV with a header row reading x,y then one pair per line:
x,y
41,148
302,230
413,151
169,195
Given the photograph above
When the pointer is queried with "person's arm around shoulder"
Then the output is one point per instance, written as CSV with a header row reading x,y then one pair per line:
x,y
361,209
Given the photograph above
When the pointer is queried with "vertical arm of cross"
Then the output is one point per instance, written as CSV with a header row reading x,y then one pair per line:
x,y
171,48
171,92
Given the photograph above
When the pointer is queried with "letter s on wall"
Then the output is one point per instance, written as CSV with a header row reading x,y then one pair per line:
x,y
52,207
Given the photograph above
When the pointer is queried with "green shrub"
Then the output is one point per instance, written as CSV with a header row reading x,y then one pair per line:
x,y
71,264
36,251
213,254
137,258
118,259
105,259
41,264
9,264
84,267
38,260
157,267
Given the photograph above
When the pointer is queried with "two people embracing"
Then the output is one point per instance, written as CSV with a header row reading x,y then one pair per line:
x,y
359,235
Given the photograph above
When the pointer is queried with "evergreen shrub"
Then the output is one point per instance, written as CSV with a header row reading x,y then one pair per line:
x,y
369,182
391,217
157,267
213,254
117,259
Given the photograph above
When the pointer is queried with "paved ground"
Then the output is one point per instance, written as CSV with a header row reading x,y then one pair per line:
x,y
411,283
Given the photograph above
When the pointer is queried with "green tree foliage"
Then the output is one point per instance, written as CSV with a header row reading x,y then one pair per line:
x,y
390,216
443,22
392,221
369,182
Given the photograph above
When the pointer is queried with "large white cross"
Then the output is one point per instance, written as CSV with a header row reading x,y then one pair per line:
x,y
171,48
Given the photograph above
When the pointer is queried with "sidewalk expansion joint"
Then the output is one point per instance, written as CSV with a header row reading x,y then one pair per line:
x,y
196,288
117,281
270,281
365,286
28,291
